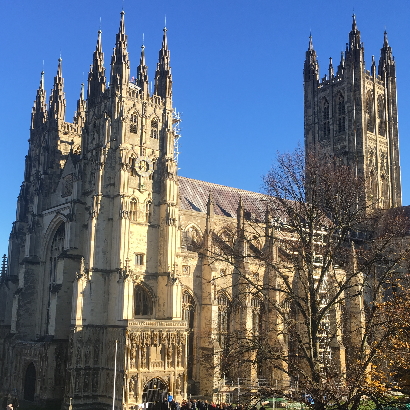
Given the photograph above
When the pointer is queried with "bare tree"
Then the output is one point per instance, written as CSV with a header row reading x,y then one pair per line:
x,y
319,288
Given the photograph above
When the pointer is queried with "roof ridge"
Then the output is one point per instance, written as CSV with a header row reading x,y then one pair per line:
x,y
224,186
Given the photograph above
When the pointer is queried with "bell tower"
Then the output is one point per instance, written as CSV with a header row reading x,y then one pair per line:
x,y
351,113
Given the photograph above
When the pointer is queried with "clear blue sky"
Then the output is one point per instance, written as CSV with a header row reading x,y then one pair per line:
x,y
237,71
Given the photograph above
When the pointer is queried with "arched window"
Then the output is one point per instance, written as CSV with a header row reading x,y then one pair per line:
x,y
192,238
382,115
134,123
370,111
341,113
134,210
256,305
142,302
188,314
325,118
57,246
154,128
148,211
223,319
131,166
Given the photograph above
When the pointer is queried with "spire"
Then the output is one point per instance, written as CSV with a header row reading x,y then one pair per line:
x,y
311,67
354,48
120,65
96,76
387,65
39,112
354,24
331,73
354,36
57,97
341,66
79,117
142,73
373,68
163,77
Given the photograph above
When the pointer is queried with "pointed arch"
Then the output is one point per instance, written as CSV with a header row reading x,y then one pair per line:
x,y
325,114
192,237
148,210
132,163
134,122
154,128
341,113
50,232
143,301
381,111
370,111
189,314
224,318
134,205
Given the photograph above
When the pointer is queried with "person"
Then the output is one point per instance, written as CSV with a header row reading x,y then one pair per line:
x,y
10,406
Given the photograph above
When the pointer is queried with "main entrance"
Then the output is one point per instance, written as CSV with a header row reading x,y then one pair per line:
x,y
155,390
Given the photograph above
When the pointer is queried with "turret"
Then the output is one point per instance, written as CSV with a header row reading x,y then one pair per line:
x,y
120,65
39,112
311,68
96,76
142,73
57,97
79,117
163,77
341,66
331,73
387,65
355,50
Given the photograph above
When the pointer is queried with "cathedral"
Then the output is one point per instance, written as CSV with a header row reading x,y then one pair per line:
x,y
106,300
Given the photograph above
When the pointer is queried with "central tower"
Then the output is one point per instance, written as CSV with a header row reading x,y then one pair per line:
x,y
351,113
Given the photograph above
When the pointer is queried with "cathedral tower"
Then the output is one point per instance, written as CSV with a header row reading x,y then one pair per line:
x,y
351,113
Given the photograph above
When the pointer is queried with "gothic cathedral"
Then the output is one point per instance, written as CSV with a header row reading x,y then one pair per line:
x,y
106,300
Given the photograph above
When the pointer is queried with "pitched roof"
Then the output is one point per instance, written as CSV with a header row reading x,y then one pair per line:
x,y
194,196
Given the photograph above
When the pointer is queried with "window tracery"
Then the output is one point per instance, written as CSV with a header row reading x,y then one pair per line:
x,y
325,118
341,113
191,238
370,111
381,115
142,302
134,209
188,314
134,123
223,319
154,128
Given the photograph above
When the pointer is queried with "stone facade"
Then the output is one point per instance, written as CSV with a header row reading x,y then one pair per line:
x,y
352,113
110,293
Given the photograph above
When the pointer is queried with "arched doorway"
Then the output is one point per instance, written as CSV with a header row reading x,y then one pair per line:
x,y
30,383
155,390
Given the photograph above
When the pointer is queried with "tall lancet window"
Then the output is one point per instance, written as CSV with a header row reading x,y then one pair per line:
x,y
134,123
134,209
325,118
341,113
223,319
188,314
370,111
53,281
154,128
382,115
142,302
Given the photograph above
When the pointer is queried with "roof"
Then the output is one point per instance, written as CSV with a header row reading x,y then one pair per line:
x,y
194,196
